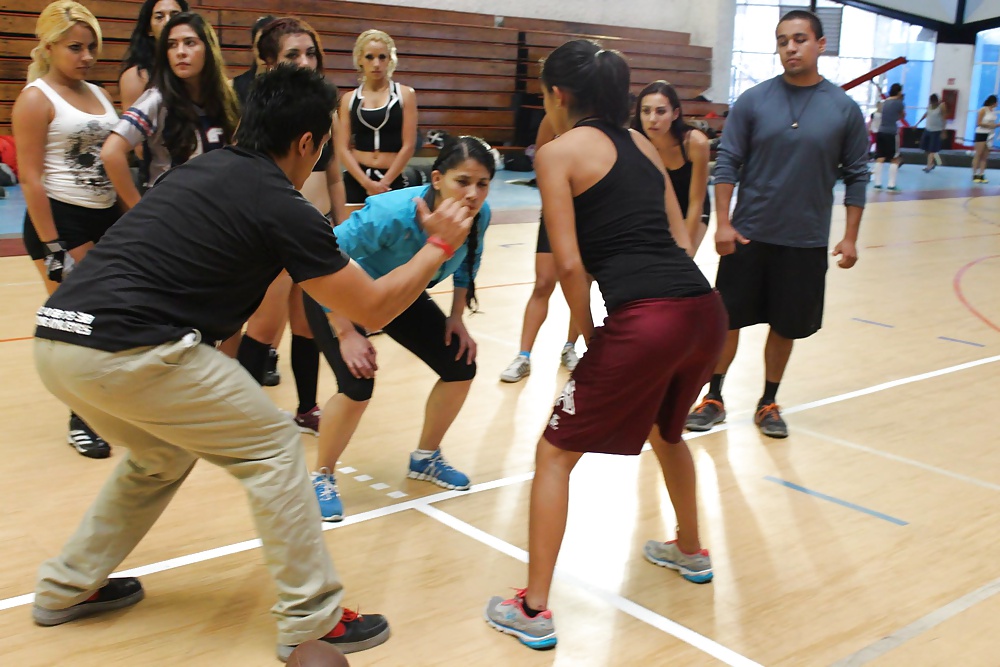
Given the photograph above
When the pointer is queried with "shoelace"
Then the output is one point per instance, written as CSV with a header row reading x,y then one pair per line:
x,y
704,405
437,466
327,489
769,411
349,616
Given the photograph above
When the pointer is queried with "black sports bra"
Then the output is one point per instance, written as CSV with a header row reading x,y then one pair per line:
x,y
378,129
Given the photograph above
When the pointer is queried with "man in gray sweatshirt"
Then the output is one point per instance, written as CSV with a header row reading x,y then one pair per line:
x,y
786,141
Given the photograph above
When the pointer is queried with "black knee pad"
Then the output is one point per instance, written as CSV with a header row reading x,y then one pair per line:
x,y
460,372
358,389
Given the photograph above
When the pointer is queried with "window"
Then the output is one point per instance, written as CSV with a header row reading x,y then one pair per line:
x,y
867,40
985,79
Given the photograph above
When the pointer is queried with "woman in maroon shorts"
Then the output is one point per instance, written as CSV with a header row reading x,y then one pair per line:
x,y
610,211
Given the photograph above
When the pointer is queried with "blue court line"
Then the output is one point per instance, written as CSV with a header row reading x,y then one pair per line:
x,y
878,324
957,340
838,501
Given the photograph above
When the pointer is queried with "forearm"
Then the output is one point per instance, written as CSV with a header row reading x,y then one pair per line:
x,y
338,202
39,209
458,302
723,200
345,156
399,162
853,223
116,167
576,289
341,325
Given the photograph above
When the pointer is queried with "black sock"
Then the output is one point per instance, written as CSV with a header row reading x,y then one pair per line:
x,y
770,393
305,369
531,613
715,387
253,355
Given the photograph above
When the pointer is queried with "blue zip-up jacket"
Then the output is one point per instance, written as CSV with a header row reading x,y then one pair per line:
x,y
385,234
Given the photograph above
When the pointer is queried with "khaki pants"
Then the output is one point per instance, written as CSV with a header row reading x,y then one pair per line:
x,y
171,405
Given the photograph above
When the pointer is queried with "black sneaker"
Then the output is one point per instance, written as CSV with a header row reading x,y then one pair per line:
x,y
768,420
272,377
352,633
707,414
116,594
83,439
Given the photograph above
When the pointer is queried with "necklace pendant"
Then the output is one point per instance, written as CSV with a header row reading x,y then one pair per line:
x,y
795,125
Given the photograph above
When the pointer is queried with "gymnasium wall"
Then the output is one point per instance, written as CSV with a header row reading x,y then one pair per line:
x,y
710,22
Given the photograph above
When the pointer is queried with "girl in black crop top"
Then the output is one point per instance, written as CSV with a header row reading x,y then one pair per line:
x,y
377,123
683,149
292,41
610,211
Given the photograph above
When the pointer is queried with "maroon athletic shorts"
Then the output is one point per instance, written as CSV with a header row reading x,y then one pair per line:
x,y
645,366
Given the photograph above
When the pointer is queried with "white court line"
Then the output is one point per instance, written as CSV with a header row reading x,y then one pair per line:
x,y
921,625
416,503
637,611
899,459
248,545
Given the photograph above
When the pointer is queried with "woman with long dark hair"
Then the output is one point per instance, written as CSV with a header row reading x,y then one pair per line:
x,y
986,131
137,68
189,109
684,150
610,212
292,41
383,235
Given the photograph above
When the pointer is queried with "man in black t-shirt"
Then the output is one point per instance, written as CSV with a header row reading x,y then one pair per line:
x,y
122,343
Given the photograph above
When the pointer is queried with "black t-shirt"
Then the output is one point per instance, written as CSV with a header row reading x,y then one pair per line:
x,y
197,252
624,234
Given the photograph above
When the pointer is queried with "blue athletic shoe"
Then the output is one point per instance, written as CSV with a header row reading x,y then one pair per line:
x,y
325,486
696,568
435,469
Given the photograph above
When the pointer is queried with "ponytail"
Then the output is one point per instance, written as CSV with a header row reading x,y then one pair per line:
x,y
597,80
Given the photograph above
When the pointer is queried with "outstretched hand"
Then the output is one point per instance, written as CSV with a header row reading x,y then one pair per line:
x,y
450,222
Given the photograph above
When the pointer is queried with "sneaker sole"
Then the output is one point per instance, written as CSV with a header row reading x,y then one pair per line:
x,y
334,518
50,617
90,453
539,644
284,652
777,435
698,428
689,575
424,477
510,380
307,430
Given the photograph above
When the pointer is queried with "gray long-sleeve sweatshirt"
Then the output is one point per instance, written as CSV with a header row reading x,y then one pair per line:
x,y
787,174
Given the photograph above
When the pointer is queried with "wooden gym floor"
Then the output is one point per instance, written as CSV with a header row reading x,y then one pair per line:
x,y
867,537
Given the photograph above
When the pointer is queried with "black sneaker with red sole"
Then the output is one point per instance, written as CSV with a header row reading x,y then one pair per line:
x,y
352,633
116,594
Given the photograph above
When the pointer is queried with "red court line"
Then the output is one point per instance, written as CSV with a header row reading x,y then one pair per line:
x,y
11,340
957,285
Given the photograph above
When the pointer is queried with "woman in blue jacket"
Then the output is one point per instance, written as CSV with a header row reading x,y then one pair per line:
x,y
382,236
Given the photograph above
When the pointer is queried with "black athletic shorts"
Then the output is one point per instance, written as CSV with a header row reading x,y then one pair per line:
x,y
763,283
542,246
75,226
886,146
981,137
419,328
356,194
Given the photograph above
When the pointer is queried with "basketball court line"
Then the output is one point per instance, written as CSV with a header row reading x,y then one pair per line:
x,y
420,504
835,500
623,604
918,627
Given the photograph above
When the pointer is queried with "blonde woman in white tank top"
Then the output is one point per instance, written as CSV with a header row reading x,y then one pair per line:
x,y
60,123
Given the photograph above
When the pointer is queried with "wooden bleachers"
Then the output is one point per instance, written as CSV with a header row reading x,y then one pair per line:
x,y
471,75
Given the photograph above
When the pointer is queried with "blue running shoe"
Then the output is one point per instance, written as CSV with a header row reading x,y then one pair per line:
x,y
435,469
326,493
509,617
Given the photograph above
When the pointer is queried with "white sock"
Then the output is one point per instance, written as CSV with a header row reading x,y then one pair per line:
x,y
877,173
569,345
937,159
893,170
423,454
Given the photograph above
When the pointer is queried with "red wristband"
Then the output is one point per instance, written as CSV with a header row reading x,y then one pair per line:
x,y
444,245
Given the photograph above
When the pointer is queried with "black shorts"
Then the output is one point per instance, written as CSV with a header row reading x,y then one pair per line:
x,y
981,137
930,142
886,146
763,283
75,226
356,194
419,328
542,246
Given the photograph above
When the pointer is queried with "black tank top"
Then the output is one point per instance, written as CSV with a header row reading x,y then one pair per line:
x,y
378,129
623,232
681,180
